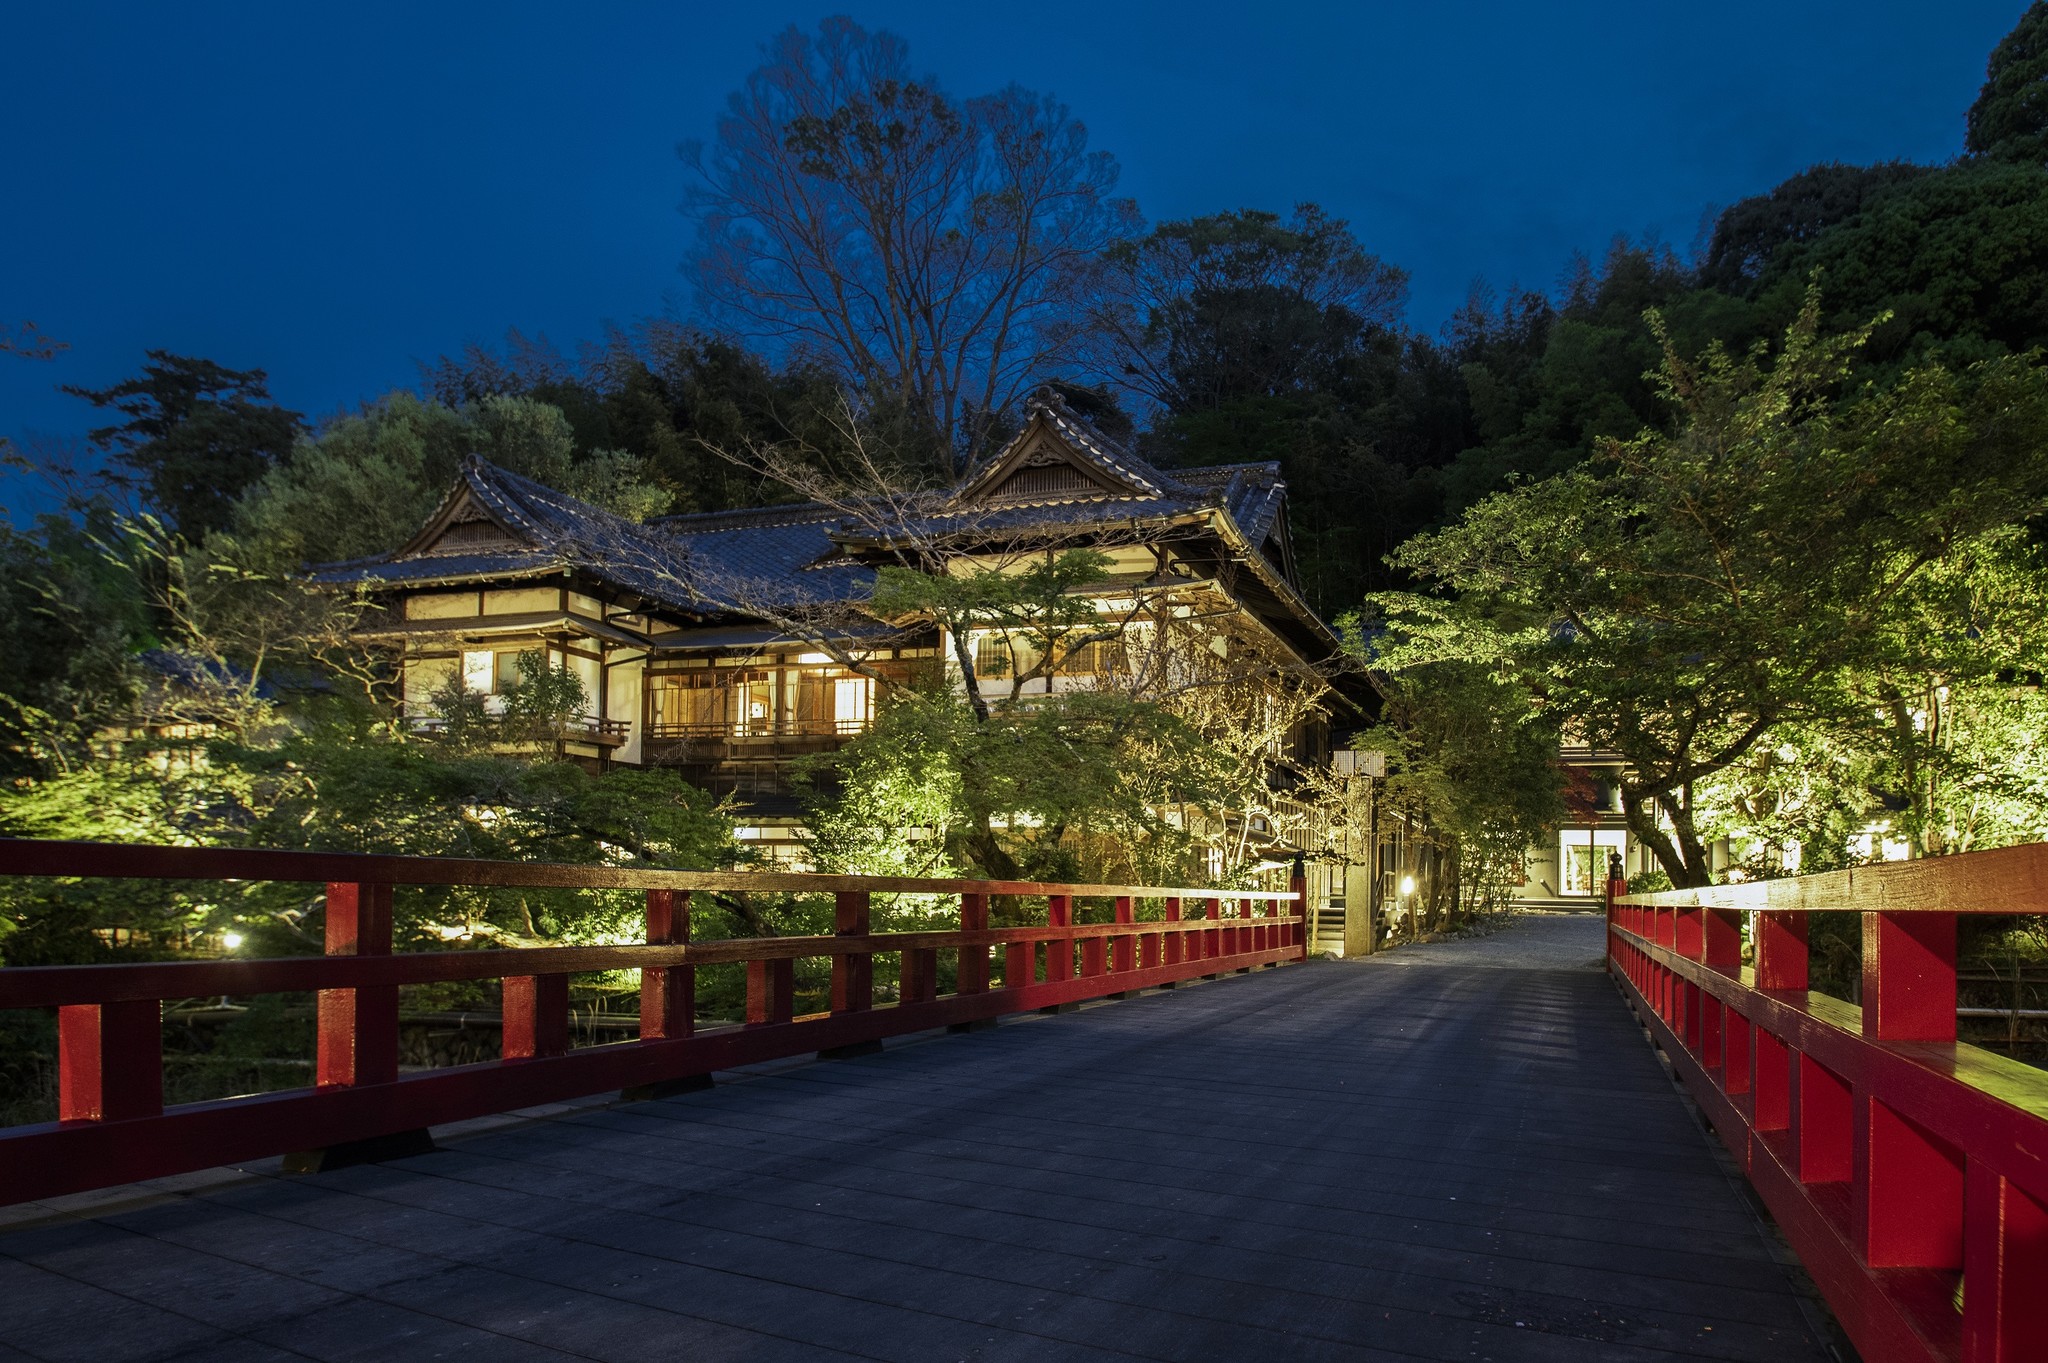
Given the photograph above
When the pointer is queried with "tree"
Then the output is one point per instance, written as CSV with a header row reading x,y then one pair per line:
x,y
1472,766
1203,313
196,435
1701,585
368,481
921,246
2010,118
669,395
1957,259
1749,233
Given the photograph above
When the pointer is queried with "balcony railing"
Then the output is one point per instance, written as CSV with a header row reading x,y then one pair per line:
x,y
581,729
787,727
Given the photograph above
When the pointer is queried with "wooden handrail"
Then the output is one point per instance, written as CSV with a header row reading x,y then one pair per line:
x,y
113,1126
1909,1171
128,861
2004,880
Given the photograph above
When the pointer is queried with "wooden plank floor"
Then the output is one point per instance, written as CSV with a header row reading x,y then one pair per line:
x,y
1402,1158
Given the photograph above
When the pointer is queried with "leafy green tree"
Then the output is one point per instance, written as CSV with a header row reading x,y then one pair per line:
x,y
1699,586
367,482
2010,118
1957,258
681,401
1748,234
1209,311
196,435
1472,765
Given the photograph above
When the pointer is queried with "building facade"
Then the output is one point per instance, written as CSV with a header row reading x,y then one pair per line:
x,y
729,645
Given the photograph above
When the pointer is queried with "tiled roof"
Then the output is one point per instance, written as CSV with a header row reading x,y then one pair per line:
x,y
790,558
781,558
560,533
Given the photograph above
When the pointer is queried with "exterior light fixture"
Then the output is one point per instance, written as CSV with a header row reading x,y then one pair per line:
x,y
231,940
1407,885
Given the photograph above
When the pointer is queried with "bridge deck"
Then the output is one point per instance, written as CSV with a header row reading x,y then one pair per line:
x,y
1415,1156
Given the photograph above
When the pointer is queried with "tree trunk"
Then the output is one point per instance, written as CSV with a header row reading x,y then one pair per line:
x,y
1682,858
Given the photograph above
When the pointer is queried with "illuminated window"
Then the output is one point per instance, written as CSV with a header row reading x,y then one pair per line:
x,y
487,672
1098,658
992,656
850,699
1582,858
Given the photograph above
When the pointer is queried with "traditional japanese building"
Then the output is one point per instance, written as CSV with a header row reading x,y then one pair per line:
x,y
726,645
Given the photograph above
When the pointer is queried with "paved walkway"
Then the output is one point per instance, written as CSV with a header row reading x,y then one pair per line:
x,y
1402,1157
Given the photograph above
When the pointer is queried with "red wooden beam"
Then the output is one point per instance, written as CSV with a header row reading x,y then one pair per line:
x,y
1898,1162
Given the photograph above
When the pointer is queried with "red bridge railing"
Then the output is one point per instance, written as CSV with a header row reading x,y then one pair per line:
x,y
113,1126
1908,1171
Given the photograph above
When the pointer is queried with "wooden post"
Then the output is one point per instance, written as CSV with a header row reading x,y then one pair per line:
x,y
1299,885
1059,951
358,1028
771,991
853,974
1123,950
668,994
1909,976
1781,951
970,974
536,1016
110,1061
972,970
919,976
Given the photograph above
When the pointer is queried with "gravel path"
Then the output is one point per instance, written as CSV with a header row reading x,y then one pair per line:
x,y
1548,941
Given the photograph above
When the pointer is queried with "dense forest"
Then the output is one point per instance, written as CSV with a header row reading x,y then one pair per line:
x,y
1765,518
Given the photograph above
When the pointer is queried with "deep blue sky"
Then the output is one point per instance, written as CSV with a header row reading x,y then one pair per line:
x,y
332,193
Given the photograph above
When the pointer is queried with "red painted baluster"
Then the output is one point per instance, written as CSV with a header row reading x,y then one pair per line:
x,y
1908,1206
536,1016
853,975
1711,1024
771,991
1689,934
1124,948
971,975
1735,1033
1909,976
1094,956
1909,1182
1723,940
110,1062
358,1028
668,994
1298,885
1212,938
1781,951
1020,964
2005,1262
919,977
1174,943
1822,1122
1773,1079
1059,951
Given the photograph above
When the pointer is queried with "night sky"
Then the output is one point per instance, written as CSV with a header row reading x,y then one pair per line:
x,y
333,193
